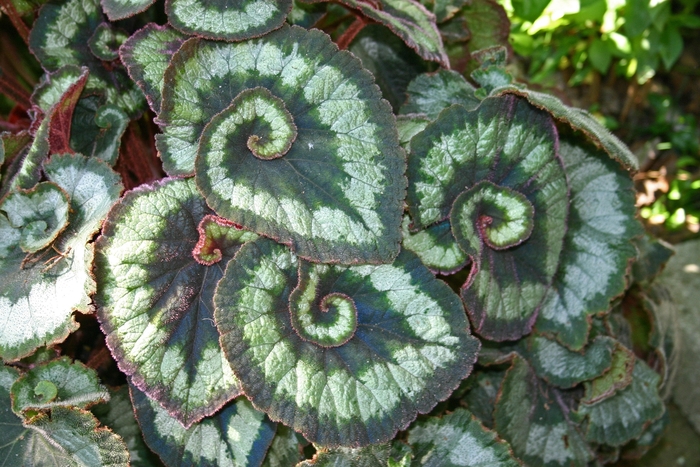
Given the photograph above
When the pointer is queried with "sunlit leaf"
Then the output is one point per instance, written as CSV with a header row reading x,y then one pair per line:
x,y
235,20
375,455
54,85
431,93
458,440
146,55
155,296
237,435
43,289
408,350
598,245
70,385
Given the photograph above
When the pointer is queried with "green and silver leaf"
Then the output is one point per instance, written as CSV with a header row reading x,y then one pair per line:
x,y
105,42
43,289
535,420
410,347
58,383
436,247
146,55
334,191
458,440
598,246
155,297
230,20
374,455
97,129
121,9
431,93
236,436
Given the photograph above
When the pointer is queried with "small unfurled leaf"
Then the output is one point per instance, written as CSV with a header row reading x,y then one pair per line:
x,y
146,55
618,419
40,214
301,147
42,290
580,120
598,244
393,342
98,129
375,455
237,435
618,377
431,93
436,247
458,440
565,368
105,42
118,415
59,383
496,174
235,20
536,421
155,296
120,9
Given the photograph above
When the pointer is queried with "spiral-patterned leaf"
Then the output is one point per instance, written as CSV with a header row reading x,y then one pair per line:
x,y
296,143
436,247
346,355
158,260
231,20
495,174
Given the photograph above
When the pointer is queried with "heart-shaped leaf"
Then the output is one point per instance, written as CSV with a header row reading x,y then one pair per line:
x,y
237,435
235,20
43,289
156,286
392,342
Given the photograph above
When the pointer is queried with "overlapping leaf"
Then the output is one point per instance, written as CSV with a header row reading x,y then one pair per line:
x,y
120,9
598,245
336,194
496,174
43,289
231,20
436,247
105,42
237,435
155,296
458,440
431,93
285,449
409,349
97,129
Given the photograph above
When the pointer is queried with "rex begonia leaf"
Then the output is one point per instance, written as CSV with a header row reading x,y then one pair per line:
x,y
43,289
345,355
409,20
155,295
58,383
68,438
301,147
431,93
146,55
653,254
40,214
105,42
536,422
306,15
598,245
374,455
393,64
285,449
436,247
488,24
458,440
409,126
446,9
237,435
618,377
481,396
121,9
565,368
61,36
54,85
624,416
496,174
97,129
230,20
579,119
118,415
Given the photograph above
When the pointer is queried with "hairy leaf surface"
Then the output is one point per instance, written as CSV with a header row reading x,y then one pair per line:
x,y
409,348
155,297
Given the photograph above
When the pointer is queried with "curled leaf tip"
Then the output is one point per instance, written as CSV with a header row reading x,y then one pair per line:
x,y
212,231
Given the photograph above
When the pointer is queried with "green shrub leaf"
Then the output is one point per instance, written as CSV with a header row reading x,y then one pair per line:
x,y
598,245
436,247
155,296
409,350
237,435
146,55
535,420
458,440
235,20
431,93
40,214
43,289
335,194
58,383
